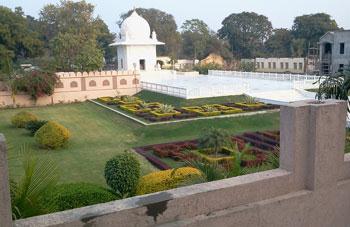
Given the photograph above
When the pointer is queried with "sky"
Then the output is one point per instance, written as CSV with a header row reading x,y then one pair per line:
x,y
280,12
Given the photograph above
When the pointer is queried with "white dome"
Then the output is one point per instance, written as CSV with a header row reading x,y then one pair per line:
x,y
135,28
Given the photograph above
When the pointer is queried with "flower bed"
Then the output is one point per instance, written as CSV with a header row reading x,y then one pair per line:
x,y
260,146
158,112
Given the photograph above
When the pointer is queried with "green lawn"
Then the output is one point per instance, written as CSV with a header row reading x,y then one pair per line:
x,y
149,96
98,134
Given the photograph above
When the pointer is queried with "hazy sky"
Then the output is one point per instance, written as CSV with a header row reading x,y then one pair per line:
x,y
280,12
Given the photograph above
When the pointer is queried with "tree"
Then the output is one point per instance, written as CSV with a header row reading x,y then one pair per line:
x,y
218,46
298,47
165,26
279,43
214,140
246,32
72,30
311,27
104,39
16,39
195,36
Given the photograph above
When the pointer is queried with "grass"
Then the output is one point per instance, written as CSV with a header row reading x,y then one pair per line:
x,y
149,96
98,134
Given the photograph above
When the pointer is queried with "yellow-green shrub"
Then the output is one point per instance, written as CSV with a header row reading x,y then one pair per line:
x,y
52,135
22,118
165,180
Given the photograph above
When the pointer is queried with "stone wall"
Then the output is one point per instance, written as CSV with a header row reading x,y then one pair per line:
x,y
311,187
78,87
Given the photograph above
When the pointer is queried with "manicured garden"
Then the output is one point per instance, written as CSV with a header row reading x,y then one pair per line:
x,y
153,111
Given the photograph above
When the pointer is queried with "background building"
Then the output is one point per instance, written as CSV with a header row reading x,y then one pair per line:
x,y
334,51
136,46
280,65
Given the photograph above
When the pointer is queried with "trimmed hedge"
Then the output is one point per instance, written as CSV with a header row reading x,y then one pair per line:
x,y
34,126
52,135
22,118
122,173
165,180
70,196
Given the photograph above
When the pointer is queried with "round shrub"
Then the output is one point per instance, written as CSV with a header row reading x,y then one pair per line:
x,y
122,173
22,118
34,126
52,135
165,180
70,196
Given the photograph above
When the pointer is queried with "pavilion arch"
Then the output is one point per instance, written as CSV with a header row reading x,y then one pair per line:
x,y
105,83
73,84
135,81
92,83
123,82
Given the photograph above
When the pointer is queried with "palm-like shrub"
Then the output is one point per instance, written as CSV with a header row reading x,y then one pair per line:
x,y
122,174
52,135
336,86
165,108
144,105
28,196
249,100
208,108
22,118
214,140
130,99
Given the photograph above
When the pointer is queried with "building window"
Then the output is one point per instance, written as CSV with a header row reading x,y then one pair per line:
x,y
282,65
135,81
121,63
300,66
295,65
269,65
258,65
105,83
59,85
341,68
73,84
92,83
123,82
342,48
274,65
287,65
262,65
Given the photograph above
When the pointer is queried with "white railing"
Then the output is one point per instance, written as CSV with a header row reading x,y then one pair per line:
x,y
165,89
265,76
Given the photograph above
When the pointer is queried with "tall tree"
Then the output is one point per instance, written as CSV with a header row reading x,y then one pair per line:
x,y
165,26
70,27
311,27
246,33
279,43
16,39
195,36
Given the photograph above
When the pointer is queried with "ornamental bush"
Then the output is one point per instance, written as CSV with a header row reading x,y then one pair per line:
x,y
70,196
52,135
165,180
22,118
34,126
122,174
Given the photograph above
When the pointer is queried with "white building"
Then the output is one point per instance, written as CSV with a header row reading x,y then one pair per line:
x,y
280,65
136,46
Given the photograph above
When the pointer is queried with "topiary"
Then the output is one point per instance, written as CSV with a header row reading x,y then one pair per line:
x,y
122,174
22,118
165,180
52,135
34,126
70,196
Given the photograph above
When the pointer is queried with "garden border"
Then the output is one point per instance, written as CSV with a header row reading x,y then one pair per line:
x,y
185,120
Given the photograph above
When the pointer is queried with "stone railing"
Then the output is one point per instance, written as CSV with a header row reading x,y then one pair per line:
x,y
311,187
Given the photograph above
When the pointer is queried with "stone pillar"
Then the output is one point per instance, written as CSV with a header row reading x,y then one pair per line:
x,y
5,198
312,142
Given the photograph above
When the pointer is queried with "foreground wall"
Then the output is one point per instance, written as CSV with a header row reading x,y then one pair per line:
x,y
311,187
78,87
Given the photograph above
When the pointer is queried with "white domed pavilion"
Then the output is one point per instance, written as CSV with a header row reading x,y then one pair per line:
x,y
136,46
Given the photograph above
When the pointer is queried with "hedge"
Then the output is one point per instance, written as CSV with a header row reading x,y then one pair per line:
x,y
70,196
21,119
165,180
